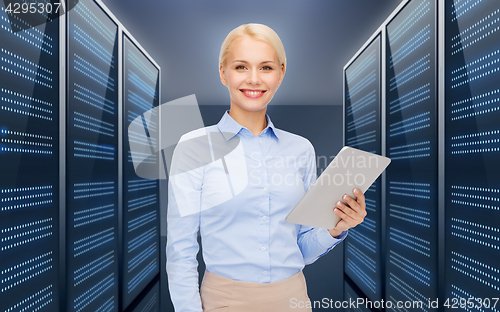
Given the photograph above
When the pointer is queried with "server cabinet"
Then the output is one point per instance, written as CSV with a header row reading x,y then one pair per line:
x,y
92,160
362,130
150,302
61,149
356,302
472,150
29,163
141,233
411,143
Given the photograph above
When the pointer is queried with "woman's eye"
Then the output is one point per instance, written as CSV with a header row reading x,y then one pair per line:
x,y
267,68
240,67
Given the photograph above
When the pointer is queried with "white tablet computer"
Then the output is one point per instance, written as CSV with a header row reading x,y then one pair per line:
x,y
351,168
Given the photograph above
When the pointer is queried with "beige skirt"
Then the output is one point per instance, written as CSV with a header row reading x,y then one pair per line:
x,y
223,294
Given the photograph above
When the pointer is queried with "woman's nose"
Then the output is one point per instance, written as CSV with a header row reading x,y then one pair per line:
x,y
253,77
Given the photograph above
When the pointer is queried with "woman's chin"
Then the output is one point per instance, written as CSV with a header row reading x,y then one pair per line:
x,y
251,107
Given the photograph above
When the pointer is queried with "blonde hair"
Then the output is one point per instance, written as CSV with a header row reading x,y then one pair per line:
x,y
257,32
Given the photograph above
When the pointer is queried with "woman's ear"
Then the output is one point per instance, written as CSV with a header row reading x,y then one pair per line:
x,y
222,74
282,74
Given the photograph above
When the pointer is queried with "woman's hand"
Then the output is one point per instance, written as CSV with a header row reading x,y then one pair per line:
x,y
351,214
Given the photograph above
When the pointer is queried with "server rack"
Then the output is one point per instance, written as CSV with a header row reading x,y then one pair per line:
x,y
92,159
62,165
442,78
362,129
150,302
29,163
411,143
352,297
472,147
141,230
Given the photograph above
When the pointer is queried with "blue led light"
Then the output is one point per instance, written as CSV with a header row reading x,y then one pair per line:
x,y
363,240
34,302
142,239
143,86
99,289
108,305
361,139
88,216
362,64
365,82
142,275
361,121
137,185
414,270
409,189
410,72
34,231
412,215
92,72
363,102
410,46
408,292
93,267
460,293
410,20
141,257
362,257
369,224
371,204
94,99
93,241
94,46
409,241
92,20
410,124
142,66
140,221
139,101
141,202
354,267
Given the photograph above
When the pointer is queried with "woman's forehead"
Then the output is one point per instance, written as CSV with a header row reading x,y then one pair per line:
x,y
251,50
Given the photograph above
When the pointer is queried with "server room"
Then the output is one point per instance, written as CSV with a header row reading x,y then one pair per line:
x,y
98,96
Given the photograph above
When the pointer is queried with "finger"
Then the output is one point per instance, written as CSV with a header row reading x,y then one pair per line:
x,y
352,203
345,211
360,197
357,216
345,222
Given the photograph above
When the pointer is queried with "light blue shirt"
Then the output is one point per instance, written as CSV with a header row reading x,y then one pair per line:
x,y
241,214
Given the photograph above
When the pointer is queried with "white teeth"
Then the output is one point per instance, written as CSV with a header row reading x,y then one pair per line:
x,y
253,92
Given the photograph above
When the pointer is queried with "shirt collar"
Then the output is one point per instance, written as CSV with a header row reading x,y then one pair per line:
x,y
230,127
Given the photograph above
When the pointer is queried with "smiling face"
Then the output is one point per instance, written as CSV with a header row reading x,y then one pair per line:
x,y
252,74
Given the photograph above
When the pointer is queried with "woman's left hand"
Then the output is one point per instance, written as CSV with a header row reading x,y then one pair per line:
x,y
352,213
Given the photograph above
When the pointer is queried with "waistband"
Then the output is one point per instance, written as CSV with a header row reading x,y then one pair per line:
x,y
216,281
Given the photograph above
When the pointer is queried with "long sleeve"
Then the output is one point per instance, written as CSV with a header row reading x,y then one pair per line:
x,y
315,242
183,222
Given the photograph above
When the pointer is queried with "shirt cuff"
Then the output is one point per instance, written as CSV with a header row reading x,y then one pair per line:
x,y
326,240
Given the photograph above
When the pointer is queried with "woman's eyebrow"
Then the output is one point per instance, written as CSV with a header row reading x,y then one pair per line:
x,y
243,61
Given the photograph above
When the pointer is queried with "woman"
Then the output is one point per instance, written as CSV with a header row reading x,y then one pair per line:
x,y
240,196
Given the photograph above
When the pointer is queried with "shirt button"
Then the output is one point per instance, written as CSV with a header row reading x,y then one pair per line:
x,y
265,189
260,164
264,218
265,272
263,248
260,141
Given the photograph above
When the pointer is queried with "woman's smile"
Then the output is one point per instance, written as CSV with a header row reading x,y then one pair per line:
x,y
253,94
